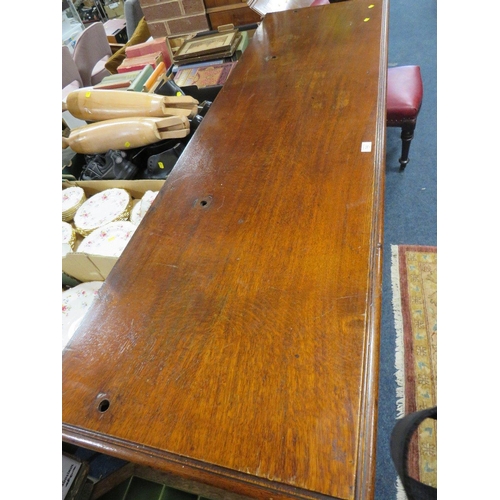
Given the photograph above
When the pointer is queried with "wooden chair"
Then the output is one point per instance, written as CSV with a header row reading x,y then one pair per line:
x,y
404,99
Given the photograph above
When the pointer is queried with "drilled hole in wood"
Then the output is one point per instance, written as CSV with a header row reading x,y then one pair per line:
x,y
204,202
103,405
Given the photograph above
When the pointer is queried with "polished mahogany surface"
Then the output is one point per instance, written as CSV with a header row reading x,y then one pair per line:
x,y
235,342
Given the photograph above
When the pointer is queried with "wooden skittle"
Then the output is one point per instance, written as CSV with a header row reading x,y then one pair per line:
x,y
125,133
94,105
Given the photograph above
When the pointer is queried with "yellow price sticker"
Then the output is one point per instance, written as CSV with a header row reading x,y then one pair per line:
x,y
366,19
160,164
127,144
87,94
371,6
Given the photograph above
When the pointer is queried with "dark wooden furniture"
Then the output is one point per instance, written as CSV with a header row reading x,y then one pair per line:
x,y
404,98
234,345
236,12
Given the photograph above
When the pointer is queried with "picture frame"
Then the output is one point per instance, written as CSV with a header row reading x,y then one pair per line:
x,y
211,44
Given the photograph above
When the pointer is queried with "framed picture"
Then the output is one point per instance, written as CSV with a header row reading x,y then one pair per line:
x,y
220,42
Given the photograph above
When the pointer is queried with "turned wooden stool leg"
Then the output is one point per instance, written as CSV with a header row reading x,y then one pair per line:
x,y
404,98
406,137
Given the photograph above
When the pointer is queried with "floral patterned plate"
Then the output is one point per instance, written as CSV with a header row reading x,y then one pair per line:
x,y
142,206
101,208
72,199
135,213
68,233
147,201
68,238
75,304
108,240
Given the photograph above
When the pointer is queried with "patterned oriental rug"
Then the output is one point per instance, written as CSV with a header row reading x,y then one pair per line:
x,y
414,289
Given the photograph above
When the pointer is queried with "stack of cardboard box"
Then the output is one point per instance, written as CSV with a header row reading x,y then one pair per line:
x,y
175,17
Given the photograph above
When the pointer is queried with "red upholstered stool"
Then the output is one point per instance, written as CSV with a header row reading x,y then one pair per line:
x,y
404,98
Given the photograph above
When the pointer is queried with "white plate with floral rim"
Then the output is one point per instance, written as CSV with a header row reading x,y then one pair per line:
x,y
68,233
102,208
72,197
147,201
68,238
135,213
108,240
75,303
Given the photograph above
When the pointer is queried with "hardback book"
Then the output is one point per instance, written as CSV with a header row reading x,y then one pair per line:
x,y
155,76
138,63
242,45
118,81
148,47
204,76
210,62
141,79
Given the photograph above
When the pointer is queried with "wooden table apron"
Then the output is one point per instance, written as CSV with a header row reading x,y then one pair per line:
x,y
235,342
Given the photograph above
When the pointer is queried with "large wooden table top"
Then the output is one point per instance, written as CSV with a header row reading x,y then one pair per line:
x,y
235,342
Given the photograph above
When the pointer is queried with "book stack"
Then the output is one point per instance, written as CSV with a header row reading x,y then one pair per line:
x,y
242,45
139,62
220,45
204,76
208,60
146,79
152,52
118,81
148,47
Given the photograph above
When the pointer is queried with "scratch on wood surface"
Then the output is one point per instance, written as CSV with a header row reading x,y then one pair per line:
x,y
324,313
181,177
347,297
332,307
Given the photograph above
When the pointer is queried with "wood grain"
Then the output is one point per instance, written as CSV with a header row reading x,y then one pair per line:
x,y
236,339
95,105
